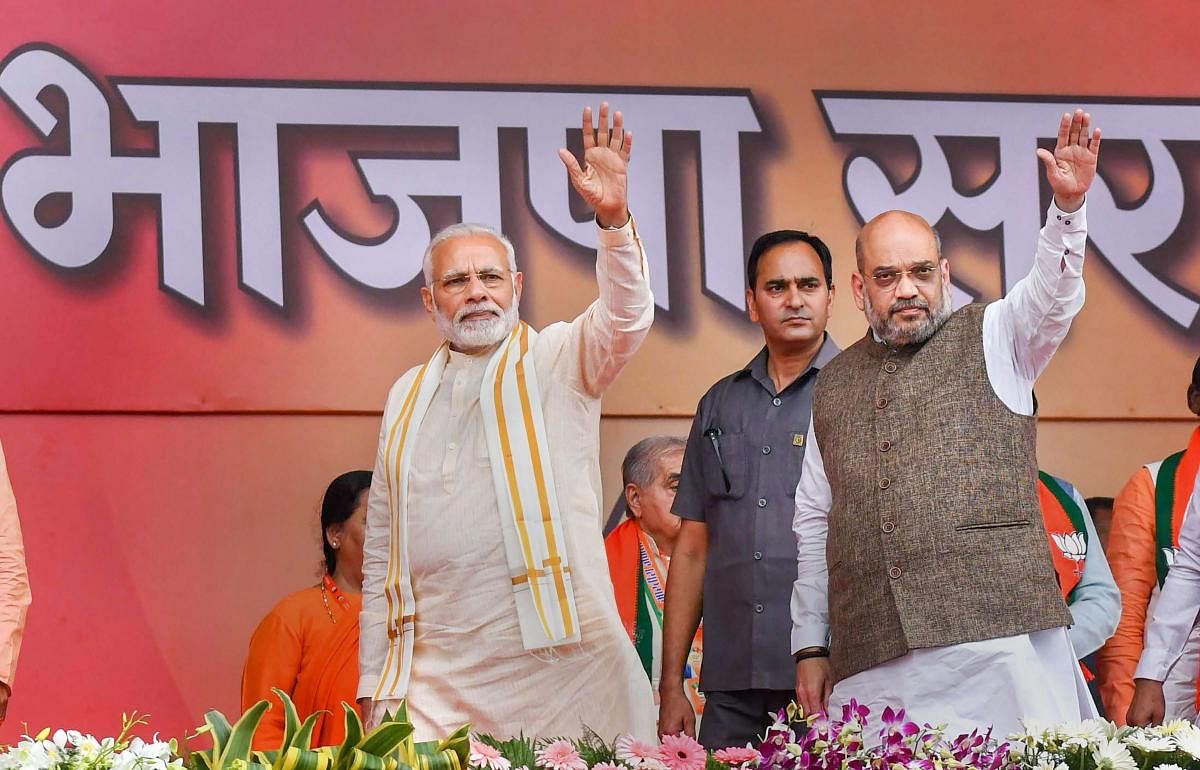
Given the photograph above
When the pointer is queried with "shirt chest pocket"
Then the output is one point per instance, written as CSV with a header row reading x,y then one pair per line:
x,y
725,464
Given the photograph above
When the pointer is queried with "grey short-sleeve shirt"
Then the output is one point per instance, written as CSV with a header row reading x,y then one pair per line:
x,y
740,469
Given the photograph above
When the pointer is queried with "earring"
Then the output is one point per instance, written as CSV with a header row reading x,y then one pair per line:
x,y
336,543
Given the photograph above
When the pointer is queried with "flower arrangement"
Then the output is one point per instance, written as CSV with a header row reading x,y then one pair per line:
x,y
792,742
1100,745
819,742
72,750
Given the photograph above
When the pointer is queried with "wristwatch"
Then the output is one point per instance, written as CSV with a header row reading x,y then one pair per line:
x,y
810,652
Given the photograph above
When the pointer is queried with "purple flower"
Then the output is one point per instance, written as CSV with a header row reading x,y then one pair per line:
x,y
853,710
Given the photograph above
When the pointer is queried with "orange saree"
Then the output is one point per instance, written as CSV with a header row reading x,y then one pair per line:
x,y
301,650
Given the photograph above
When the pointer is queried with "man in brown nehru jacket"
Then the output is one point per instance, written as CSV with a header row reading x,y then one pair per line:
x,y
924,580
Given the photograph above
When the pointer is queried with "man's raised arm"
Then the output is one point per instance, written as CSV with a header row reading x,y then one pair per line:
x,y
612,328
1033,319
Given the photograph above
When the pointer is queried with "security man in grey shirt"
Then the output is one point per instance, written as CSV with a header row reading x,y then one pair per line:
x,y
735,559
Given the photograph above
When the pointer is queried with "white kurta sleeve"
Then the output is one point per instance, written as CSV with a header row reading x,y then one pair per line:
x,y
1022,331
612,328
14,580
1095,603
373,639
810,524
1178,603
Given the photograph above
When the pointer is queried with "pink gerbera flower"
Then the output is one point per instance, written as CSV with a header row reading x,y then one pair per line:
x,y
607,766
680,752
735,755
639,755
487,757
560,755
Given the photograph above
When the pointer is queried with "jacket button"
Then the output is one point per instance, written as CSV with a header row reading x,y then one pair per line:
x,y
758,608
890,367
777,401
762,502
881,403
884,483
766,450
888,526
885,445
894,572
758,555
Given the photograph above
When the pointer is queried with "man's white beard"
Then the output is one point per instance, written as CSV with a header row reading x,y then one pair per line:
x,y
890,332
481,333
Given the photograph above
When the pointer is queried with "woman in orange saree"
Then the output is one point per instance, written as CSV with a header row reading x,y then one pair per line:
x,y
307,645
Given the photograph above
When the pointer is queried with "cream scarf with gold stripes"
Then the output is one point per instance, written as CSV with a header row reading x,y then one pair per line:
x,y
534,540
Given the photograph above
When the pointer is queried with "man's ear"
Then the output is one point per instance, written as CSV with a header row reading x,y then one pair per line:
x,y
857,287
633,500
751,306
427,300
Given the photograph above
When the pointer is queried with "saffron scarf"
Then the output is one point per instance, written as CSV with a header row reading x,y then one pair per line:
x,y
1066,530
639,575
534,540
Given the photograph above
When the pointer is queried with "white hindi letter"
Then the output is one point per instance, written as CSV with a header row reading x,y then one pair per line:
x,y
86,174
718,119
1011,199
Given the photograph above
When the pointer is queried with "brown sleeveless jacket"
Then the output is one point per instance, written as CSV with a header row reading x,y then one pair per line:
x,y
935,534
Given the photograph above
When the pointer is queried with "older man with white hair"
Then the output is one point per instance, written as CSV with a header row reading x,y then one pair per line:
x,y
486,596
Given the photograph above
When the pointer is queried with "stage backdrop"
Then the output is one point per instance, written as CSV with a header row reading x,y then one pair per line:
x,y
214,215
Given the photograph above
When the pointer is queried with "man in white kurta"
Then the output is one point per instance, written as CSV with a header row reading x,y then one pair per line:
x,y
1169,633
14,588
985,682
468,661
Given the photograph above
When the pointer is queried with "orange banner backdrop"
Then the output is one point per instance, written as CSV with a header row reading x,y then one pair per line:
x,y
215,212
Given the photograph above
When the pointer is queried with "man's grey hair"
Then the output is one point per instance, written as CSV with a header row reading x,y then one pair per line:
x,y
458,231
641,461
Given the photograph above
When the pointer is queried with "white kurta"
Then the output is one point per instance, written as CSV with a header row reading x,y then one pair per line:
x,y
996,681
469,663
1170,652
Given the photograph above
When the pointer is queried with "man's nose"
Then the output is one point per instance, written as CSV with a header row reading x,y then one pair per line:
x,y
476,291
906,287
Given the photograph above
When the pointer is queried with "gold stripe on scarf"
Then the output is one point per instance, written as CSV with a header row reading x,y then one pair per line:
x,y
514,490
554,562
391,588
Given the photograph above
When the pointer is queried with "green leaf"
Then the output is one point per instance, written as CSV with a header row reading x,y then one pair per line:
x,y
218,725
200,760
360,760
291,720
592,748
241,736
302,759
385,739
303,739
520,750
459,742
354,726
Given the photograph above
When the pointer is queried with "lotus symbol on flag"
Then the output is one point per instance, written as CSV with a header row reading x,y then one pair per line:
x,y
1073,546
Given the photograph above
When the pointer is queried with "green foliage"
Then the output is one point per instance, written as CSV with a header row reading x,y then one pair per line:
x,y
521,751
388,747
593,749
